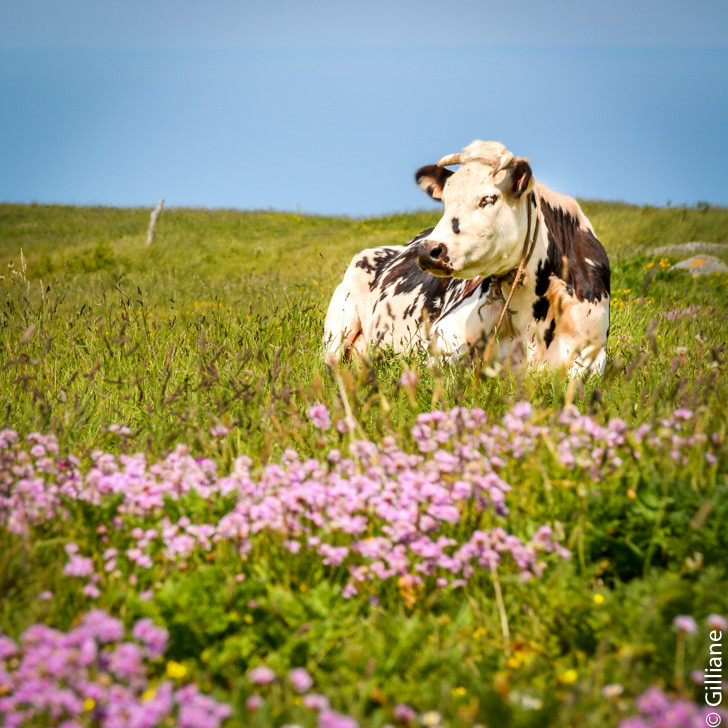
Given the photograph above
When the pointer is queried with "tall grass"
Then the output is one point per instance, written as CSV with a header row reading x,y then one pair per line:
x,y
219,323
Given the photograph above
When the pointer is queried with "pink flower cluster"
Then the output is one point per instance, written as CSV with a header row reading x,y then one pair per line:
x,y
377,511
320,417
33,479
384,513
688,312
301,682
90,672
657,709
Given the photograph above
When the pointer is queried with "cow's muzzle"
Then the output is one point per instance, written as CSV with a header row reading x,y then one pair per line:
x,y
433,257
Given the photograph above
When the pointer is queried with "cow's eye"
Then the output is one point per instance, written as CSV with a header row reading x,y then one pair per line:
x,y
487,200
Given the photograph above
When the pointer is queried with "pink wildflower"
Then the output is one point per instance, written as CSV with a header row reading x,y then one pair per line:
x,y
403,713
409,378
262,675
253,702
219,431
319,416
717,621
300,679
685,623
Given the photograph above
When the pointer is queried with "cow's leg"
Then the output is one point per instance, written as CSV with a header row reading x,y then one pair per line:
x,y
579,333
342,328
591,360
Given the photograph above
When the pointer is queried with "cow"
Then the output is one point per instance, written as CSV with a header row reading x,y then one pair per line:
x,y
511,266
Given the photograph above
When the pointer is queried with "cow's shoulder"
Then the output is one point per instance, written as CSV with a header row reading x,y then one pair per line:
x,y
574,253
376,261
390,265
372,260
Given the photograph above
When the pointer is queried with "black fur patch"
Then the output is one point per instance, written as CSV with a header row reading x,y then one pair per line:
x,y
569,245
548,335
543,273
366,265
382,257
456,225
404,277
410,310
540,308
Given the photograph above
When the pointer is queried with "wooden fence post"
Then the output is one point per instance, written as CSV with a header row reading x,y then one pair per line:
x,y
153,221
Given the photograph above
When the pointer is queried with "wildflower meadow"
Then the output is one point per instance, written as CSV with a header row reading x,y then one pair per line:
x,y
202,525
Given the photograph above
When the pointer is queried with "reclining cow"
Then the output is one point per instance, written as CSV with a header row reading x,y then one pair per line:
x,y
503,238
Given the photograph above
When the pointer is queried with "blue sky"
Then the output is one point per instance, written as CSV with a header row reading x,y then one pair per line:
x,y
329,107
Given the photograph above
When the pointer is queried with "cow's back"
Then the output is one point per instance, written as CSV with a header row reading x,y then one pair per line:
x,y
386,299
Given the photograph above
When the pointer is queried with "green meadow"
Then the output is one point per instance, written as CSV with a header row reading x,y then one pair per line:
x,y
210,337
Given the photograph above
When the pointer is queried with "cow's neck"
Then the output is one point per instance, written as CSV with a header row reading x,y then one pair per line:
x,y
521,304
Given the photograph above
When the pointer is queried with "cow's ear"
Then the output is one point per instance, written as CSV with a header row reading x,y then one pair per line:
x,y
432,179
521,177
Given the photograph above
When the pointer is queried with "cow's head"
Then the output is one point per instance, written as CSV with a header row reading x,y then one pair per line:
x,y
484,226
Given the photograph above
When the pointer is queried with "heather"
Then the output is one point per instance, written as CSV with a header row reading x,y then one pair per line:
x,y
200,524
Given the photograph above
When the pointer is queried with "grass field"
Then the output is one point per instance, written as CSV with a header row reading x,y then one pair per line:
x,y
188,513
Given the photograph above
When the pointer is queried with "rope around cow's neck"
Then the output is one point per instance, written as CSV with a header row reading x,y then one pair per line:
x,y
529,245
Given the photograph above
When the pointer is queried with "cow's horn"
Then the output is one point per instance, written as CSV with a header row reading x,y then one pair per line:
x,y
504,162
450,159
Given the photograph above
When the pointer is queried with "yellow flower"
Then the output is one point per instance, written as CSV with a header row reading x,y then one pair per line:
x,y
569,677
149,695
174,669
89,704
514,661
459,691
598,598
